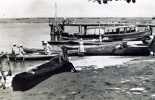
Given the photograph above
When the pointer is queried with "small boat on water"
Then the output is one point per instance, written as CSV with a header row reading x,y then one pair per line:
x,y
27,80
112,48
32,56
32,50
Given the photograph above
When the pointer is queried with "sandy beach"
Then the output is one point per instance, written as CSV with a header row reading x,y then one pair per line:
x,y
133,80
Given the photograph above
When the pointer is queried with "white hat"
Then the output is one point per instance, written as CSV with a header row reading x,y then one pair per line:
x,y
14,44
20,45
45,42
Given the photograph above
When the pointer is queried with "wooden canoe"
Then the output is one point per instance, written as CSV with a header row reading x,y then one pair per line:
x,y
32,50
27,80
112,50
32,57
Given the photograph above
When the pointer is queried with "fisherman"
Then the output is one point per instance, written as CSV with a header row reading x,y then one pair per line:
x,y
81,47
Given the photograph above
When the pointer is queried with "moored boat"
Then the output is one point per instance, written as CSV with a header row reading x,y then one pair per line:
x,y
32,57
111,49
32,50
114,33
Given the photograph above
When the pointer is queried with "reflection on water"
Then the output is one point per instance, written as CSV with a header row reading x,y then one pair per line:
x,y
18,66
28,34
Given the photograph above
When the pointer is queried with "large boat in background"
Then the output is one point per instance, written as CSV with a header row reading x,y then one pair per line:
x,y
71,33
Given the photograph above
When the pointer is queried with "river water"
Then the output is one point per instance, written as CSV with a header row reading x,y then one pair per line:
x,y
31,35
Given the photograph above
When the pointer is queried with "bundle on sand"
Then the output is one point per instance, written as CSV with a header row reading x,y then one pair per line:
x,y
26,80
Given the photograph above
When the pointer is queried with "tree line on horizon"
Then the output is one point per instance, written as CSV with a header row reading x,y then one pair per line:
x,y
106,1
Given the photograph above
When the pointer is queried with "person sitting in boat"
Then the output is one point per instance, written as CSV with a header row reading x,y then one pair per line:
x,y
81,47
136,28
47,49
43,44
15,50
21,50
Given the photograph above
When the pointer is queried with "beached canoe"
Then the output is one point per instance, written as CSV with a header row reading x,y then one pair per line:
x,y
32,57
135,50
26,80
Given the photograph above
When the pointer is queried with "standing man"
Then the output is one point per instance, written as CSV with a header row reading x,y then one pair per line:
x,y
81,47
15,51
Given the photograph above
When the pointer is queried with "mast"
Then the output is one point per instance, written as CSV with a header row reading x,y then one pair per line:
x,y
100,35
55,22
54,25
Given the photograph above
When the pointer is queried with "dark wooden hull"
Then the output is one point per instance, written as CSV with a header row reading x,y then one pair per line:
x,y
111,50
32,57
113,35
26,80
32,50
74,42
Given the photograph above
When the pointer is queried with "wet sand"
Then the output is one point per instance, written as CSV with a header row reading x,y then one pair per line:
x,y
134,80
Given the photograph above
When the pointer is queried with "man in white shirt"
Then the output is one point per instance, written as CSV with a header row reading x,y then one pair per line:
x,y
81,47
15,50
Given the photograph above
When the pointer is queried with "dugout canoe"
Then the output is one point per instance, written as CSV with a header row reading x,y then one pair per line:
x,y
135,50
27,80
31,57
32,50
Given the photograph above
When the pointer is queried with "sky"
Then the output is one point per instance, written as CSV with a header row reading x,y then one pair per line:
x,y
75,8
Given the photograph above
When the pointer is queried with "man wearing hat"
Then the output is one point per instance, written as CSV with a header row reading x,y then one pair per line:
x,y
15,50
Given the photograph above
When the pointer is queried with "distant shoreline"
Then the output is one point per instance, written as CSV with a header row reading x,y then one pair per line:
x,y
78,19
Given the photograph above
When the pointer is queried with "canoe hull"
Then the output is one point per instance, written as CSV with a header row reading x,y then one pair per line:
x,y
27,80
111,50
32,57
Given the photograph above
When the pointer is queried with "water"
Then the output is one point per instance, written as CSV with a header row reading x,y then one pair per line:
x,y
31,35
27,34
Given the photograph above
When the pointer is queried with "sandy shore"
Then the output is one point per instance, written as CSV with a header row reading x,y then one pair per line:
x,y
134,80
